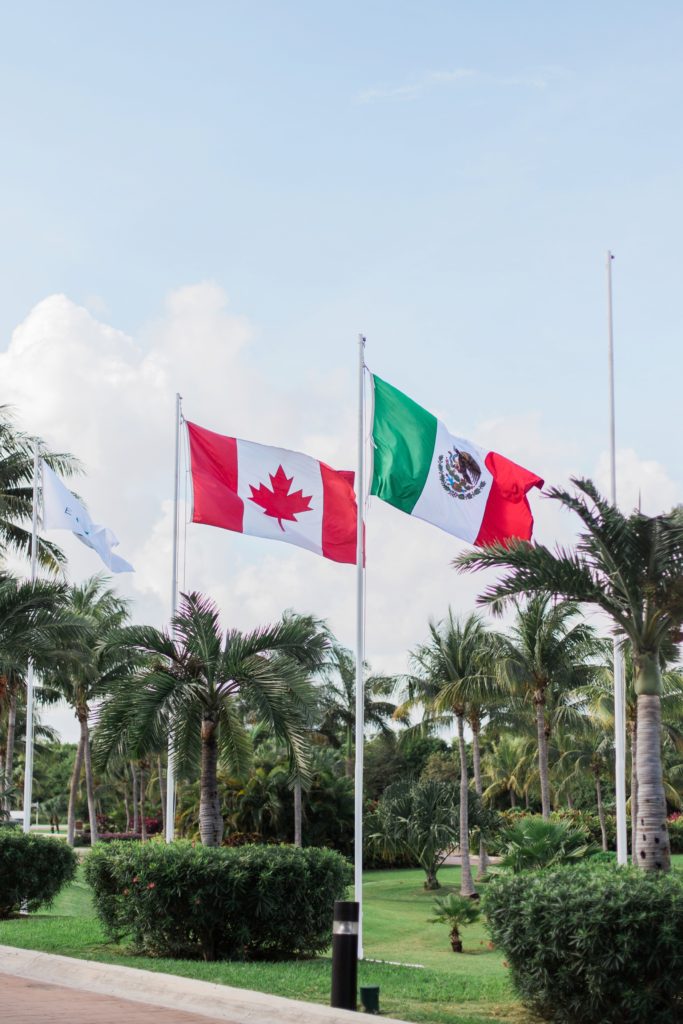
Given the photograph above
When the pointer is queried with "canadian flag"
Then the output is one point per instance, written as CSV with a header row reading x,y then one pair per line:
x,y
272,492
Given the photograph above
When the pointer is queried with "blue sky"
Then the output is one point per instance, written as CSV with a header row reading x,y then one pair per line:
x,y
445,177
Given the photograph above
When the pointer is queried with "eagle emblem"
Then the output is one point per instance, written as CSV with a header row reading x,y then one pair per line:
x,y
460,474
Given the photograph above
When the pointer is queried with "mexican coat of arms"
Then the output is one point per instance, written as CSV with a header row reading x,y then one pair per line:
x,y
460,474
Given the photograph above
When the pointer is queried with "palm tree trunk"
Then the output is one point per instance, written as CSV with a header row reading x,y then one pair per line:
x,y
162,794
513,798
297,813
652,842
73,794
476,758
143,812
89,779
210,818
601,811
633,729
539,701
9,746
126,806
136,809
466,881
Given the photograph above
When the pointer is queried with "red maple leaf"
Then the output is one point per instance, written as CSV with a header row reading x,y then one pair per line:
x,y
278,502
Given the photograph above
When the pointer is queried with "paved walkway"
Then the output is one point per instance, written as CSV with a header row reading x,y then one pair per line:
x,y
32,1002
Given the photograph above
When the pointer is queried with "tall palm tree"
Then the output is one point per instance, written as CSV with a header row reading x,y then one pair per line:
x,y
16,490
202,683
631,567
600,697
337,699
587,751
452,674
34,622
544,657
87,674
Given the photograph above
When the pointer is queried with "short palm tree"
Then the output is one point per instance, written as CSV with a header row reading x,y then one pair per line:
x,y
503,765
455,911
202,683
631,567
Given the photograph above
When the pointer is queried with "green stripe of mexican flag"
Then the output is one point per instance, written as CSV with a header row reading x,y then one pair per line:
x,y
424,470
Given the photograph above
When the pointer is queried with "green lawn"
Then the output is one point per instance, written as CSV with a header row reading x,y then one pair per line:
x,y
470,988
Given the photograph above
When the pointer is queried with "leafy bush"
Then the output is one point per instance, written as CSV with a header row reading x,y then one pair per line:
x,y
218,903
32,868
592,944
675,827
532,843
581,819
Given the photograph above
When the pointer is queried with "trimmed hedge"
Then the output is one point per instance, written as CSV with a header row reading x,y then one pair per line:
x,y
32,868
592,944
218,902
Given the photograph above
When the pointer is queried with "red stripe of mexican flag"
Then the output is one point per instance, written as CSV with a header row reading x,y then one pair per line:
x,y
272,492
421,468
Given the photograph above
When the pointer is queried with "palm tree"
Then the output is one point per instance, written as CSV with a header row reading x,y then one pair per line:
x,y
34,622
600,697
16,490
202,684
631,567
87,674
453,676
588,751
543,659
504,767
337,698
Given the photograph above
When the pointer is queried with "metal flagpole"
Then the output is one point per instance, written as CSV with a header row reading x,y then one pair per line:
x,y
28,759
170,771
619,676
360,653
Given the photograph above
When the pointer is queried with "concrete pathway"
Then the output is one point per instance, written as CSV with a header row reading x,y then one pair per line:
x,y
33,1002
41,987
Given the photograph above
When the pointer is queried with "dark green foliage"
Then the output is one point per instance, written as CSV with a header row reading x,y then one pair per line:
x,y
592,944
420,821
675,826
532,843
32,868
590,823
218,903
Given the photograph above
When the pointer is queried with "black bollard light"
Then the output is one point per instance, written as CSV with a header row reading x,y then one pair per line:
x,y
345,955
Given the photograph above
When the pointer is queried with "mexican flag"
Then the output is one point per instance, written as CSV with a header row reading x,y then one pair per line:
x,y
272,492
423,469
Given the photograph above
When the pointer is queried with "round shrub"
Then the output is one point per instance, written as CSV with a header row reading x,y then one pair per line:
x,y
592,944
218,902
32,868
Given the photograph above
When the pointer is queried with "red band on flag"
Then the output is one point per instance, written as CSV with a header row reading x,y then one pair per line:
x,y
339,515
214,479
507,513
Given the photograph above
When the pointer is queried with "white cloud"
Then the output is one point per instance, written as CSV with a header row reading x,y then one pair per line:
x,y
641,483
430,80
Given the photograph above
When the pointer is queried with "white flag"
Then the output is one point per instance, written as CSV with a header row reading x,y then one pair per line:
x,y
63,511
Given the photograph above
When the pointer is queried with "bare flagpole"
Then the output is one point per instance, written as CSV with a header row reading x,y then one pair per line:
x,y
360,651
28,759
170,771
619,677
